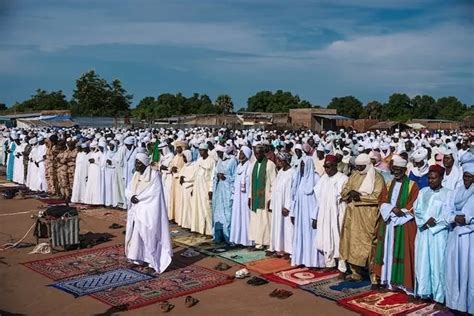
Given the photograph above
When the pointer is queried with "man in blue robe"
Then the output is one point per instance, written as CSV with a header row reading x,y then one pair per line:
x,y
431,215
460,254
14,142
223,189
419,173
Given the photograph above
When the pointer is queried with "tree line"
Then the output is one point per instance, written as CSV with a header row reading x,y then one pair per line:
x,y
95,96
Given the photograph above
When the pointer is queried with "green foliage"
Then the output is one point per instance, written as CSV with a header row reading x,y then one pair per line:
x,y
373,110
94,96
398,108
348,106
280,101
450,108
42,100
224,104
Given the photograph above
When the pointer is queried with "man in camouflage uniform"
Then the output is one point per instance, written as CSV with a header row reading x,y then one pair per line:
x,y
71,154
51,165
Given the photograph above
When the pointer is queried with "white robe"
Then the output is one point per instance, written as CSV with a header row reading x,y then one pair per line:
x,y
18,167
114,191
165,160
94,188
240,219
453,180
129,164
147,236
201,219
39,183
330,217
186,189
32,168
282,228
80,178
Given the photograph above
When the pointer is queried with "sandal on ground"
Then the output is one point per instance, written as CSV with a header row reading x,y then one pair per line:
x,y
256,281
166,307
242,274
275,293
190,301
284,294
222,266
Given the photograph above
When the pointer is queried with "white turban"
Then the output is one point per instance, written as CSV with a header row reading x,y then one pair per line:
x,y
247,151
420,154
363,159
143,158
129,140
32,141
399,161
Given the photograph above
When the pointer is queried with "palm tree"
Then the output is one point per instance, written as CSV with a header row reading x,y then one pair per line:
x,y
224,104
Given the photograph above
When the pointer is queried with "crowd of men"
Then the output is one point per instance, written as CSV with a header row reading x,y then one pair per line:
x,y
396,207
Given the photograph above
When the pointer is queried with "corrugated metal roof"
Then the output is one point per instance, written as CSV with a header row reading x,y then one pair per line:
x,y
333,117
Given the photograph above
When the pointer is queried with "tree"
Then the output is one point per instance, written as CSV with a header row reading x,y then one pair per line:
x,y
373,110
93,96
280,101
42,100
224,104
424,107
450,108
145,109
398,108
347,106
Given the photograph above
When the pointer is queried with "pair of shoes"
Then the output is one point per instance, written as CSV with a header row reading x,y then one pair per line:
x,y
166,306
190,253
280,294
256,281
190,301
242,274
222,266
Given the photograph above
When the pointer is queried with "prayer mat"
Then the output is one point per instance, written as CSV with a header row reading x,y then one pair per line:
x,y
243,256
336,289
430,311
211,248
269,265
89,284
164,287
82,262
381,303
190,240
180,261
300,276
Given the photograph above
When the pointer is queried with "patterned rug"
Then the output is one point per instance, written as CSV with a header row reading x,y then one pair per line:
x,y
381,303
179,261
300,276
430,311
336,289
269,265
243,256
190,240
211,248
164,287
89,284
82,262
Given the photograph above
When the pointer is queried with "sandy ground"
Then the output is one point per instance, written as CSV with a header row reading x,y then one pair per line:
x,y
23,291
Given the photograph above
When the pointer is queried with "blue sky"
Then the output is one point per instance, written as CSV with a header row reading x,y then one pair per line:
x,y
317,49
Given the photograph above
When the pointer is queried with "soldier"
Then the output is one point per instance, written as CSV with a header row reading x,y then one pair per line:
x,y
71,164
62,169
51,165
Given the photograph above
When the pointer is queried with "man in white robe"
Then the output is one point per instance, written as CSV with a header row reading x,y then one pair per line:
x,y
240,211
129,159
186,187
19,167
80,175
201,217
261,184
331,212
39,182
32,168
280,204
147,239
453,174
166,156
94,188
113,179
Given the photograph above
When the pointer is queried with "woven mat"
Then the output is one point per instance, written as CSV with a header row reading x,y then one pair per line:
x,y
336,289
89,284
381,303
166,286
190,240
300,276
82,262
243,256
269,265
430,311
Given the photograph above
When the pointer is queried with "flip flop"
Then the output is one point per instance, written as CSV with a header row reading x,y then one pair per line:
x,y
284,294
256,281
190,301
242,274
166,307
275,293
222,266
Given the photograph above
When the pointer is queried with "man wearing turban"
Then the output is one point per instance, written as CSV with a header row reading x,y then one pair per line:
x,y
358,236
147,239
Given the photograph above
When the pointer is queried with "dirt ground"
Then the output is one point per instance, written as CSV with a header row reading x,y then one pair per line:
x,y
24,291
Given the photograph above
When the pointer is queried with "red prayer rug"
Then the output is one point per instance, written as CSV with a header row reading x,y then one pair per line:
x,y
82,262
166,286
300,276
269,265
381,303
